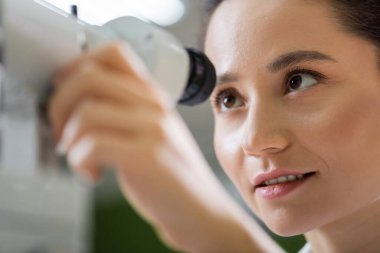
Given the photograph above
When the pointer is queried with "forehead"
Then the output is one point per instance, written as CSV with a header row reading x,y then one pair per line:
x,y
241,30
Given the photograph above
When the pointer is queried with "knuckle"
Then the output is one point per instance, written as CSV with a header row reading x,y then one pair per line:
x,y
85,114
86,108
158,109
158,130
87,69
82,81
116,49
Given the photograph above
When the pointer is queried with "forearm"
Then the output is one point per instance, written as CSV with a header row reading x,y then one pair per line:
x,y
230,233
244,234
221,234
211,221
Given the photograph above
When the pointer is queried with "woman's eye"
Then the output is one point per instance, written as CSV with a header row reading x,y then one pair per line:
x,y
300,81
230,102
227,100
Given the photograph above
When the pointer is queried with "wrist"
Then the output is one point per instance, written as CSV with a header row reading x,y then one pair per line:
x,y
208,232
226,235
230,230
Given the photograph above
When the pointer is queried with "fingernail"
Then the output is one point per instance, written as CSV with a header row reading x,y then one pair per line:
x,y
67,133
61,148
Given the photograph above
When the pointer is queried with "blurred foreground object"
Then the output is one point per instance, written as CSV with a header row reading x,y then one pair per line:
x,y
43,208
38,39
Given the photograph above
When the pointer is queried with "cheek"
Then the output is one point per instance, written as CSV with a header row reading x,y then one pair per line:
x,y
346,135
351,126
227,143
227,151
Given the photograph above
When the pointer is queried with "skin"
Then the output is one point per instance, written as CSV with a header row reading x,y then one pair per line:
x,y
108,111
330,128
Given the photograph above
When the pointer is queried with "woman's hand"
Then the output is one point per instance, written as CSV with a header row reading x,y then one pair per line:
x,y
108,112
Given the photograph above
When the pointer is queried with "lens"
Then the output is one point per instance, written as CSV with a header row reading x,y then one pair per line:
x,y
201,81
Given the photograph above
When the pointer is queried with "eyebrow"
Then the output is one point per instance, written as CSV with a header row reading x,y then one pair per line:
x,y
291,58
281,62
226,78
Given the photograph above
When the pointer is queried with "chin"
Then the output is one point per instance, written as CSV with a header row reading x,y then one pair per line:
x,y
287,231
286,226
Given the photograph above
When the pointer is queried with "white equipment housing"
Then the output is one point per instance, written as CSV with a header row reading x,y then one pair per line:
x,y
42,207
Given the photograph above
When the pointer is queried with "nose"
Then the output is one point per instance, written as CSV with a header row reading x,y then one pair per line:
x,y
264,131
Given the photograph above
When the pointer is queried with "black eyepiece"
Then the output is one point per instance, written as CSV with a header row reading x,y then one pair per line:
x,y
201,81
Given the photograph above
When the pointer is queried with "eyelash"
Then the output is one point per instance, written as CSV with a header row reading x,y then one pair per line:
x,y
296,71
218,98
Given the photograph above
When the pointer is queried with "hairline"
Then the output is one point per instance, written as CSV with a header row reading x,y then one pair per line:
x,y
337,17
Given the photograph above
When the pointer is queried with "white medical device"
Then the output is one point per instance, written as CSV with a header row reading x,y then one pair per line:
x,y
37,39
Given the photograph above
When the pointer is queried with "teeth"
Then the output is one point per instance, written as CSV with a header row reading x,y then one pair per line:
x,y
283,179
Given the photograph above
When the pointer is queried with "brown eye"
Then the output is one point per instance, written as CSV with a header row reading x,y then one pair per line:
x,y
229,101
226,100
300,82
295,82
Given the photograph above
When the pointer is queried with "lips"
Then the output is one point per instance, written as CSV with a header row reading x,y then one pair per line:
x,y
279,183
279,176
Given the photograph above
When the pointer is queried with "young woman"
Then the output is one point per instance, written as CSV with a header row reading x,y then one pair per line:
x,y
296,129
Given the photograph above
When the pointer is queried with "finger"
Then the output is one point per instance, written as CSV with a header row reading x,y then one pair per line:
x,y
98,150
95,115
88,169
96,83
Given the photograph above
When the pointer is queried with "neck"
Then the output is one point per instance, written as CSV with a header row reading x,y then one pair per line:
x,y
358,232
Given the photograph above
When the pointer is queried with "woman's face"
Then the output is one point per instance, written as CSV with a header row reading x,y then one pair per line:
x,y
297,99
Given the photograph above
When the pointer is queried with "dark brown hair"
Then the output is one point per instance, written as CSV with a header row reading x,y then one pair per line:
x,y
360,17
